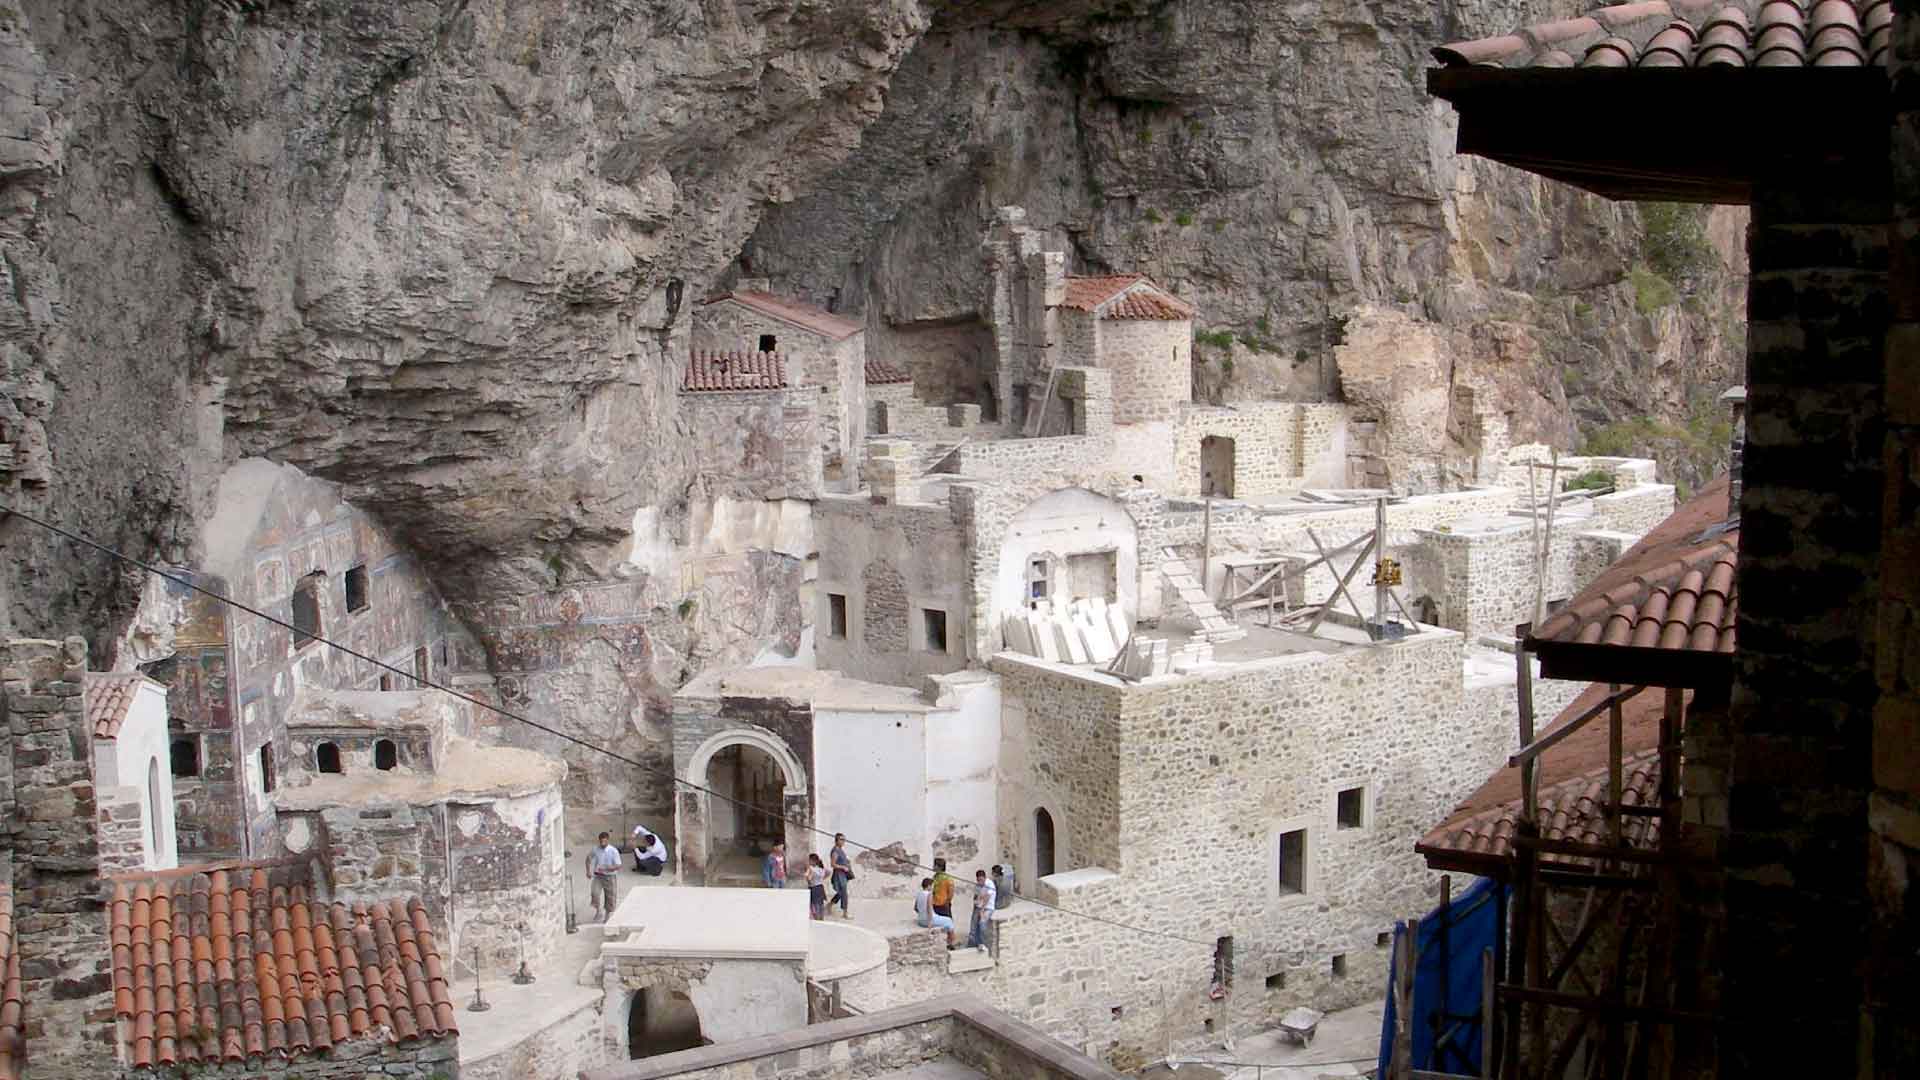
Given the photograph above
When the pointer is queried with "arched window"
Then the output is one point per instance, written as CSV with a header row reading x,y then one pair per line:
x,y
156,813
385,755
327,757
1042,842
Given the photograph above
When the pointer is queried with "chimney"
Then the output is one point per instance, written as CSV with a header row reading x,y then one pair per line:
x,y
1736,399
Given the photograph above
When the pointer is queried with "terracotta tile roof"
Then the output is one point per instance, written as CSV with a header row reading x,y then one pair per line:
x,y
109,697
240,964
715,371
1478,835
1089,293
808,317
1694,33
12,1004
1674,590
879,372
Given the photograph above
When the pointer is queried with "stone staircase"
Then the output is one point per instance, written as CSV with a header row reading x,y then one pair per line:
x,y
1214,627
933,457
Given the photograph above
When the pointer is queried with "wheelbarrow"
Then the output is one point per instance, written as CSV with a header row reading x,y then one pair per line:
x,y
1299,1024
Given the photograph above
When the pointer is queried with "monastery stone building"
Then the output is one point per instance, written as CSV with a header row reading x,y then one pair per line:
x,y
1073,624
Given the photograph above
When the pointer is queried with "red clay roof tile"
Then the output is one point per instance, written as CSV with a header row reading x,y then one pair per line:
x,y
1091,293
808,317
880,373
1675,589
109,698
287,996
1654,33
709,372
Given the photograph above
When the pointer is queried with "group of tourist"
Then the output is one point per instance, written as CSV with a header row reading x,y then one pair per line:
x,y
837,870
933,906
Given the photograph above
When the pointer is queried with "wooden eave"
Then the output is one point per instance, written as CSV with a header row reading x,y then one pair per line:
x,y
1683,669
1702,135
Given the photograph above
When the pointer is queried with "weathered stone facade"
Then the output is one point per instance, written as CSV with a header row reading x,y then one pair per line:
x,y
877,599
1278,446
763,444
831,370
358,1059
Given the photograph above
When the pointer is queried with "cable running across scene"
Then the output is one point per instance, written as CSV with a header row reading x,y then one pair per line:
x,y
538,726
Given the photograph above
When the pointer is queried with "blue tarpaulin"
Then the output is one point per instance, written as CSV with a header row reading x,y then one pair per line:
x,y
1446,981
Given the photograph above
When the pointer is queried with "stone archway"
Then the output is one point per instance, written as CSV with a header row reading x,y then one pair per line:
x,y
705,830
661,1021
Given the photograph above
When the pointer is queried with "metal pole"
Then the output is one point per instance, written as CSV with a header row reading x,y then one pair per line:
x,y
479,1002
1379,580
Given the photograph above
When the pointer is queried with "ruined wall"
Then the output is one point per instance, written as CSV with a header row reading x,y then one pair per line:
x,y
1151,362
59,916
763,444
891,411
1279,446
923,555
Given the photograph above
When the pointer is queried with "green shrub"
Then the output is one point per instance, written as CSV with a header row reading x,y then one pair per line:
x,y
1219,339
1651,292
1592,480
1582,309
1153,215
1674,242
1183,219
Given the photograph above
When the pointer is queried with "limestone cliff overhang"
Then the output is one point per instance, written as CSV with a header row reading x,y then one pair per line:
x,y
1681,101
1664,614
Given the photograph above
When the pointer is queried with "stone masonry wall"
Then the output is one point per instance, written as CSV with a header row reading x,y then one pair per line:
x,y
358,1059
932,554
833,372
1889,1035
59,919
1801,720
1152,365
1061,752
759,444
1277,444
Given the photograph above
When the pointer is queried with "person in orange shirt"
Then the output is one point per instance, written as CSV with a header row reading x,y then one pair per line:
x,y
942,889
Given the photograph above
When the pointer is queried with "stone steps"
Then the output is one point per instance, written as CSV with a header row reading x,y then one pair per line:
x,y
963,960
1214,627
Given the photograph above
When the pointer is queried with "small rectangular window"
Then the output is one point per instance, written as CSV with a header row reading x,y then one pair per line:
x,y
936,622
266,768
768,342
386,682
357,589
1293,862
1340,966
836,615
1223,963
1350,808
1277,981
185,755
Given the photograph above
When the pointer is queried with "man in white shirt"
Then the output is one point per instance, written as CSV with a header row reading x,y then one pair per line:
x,y
650,855
982,909
603,876
640,832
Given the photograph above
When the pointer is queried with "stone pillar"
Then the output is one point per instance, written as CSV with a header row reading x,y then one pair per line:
x,y
889,471
1089,393
1890,1029
1800,722
60,925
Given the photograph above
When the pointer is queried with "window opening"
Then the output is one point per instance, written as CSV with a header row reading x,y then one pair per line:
x,y
184,756
421,667
386,682
1043,841
1277,981
266,768
836,615
768,342
1350,808
936,621
1039,580
1223,963
385,755
1293,861
1340,966
306,611
357,588
1383,939
327,757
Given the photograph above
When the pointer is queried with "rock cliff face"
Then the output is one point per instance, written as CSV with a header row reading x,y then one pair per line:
x,y
441,252
1283,167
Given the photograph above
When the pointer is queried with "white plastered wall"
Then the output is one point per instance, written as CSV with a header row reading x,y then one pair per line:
x,y
137,758
1069,522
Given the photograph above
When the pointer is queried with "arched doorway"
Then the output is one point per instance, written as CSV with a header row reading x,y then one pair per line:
x,y
661,1022
1043,864
759,798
